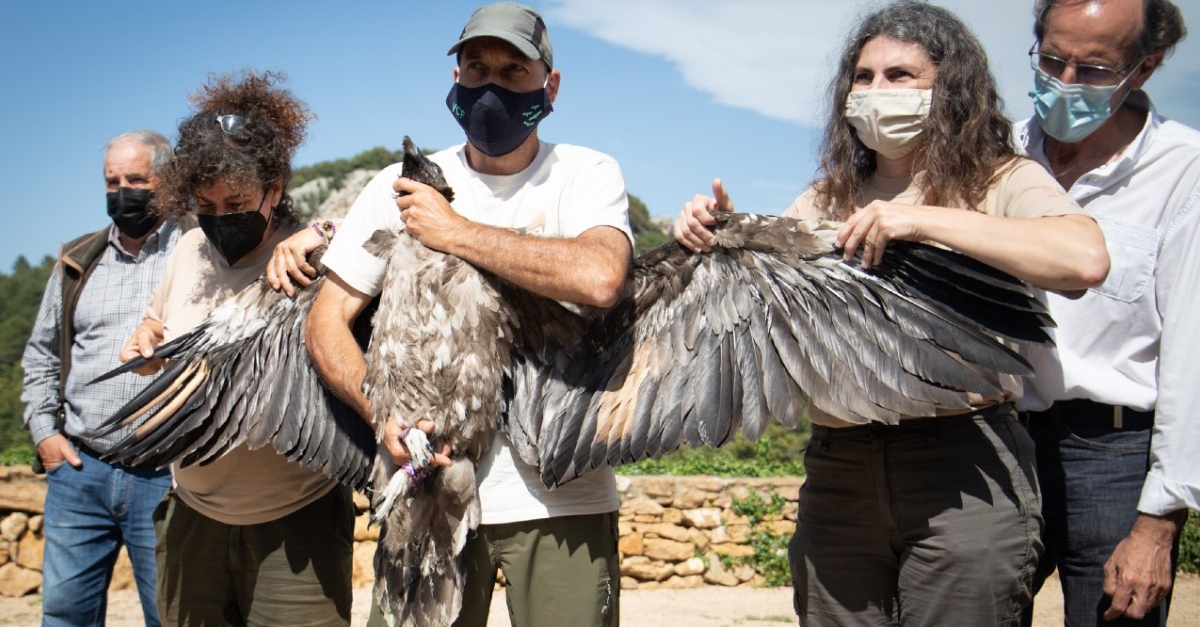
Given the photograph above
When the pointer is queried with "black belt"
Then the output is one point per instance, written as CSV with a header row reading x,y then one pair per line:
x,y
1086,413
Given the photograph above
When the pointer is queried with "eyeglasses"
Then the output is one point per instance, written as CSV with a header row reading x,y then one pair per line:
x,y
1085,73
230,123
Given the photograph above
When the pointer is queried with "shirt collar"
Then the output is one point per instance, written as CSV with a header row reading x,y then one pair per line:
x,y
1033,139
148,246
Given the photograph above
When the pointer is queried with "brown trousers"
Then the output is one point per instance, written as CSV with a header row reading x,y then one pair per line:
x,y
292,571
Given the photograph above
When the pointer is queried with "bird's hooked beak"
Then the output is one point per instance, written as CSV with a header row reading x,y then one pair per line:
x,y
420,169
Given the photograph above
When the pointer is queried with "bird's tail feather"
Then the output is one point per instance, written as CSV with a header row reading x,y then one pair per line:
x,y
166,351
420,563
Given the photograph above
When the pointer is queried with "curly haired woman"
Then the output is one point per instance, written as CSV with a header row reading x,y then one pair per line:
x,y
935,520
250,538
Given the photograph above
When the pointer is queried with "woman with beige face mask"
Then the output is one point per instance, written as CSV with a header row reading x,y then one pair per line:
x,y
934,520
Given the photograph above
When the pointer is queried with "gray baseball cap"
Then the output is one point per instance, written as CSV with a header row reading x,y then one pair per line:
x,y
515,23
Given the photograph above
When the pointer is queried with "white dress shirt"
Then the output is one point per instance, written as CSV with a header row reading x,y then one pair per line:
x,y
1135,340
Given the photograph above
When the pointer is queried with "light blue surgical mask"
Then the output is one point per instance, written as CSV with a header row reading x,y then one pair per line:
x,y
1071,112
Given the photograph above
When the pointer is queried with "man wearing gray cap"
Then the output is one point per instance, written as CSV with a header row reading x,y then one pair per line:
x,y
551,218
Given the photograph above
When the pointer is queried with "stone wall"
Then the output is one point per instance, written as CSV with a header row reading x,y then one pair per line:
x,y
21,496
674,531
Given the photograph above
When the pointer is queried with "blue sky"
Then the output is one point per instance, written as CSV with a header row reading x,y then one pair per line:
x,y
678,91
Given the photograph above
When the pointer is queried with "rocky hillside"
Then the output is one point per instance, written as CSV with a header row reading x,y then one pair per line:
x,y
328,197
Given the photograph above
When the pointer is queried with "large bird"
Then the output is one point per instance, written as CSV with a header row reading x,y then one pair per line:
x,y
698,348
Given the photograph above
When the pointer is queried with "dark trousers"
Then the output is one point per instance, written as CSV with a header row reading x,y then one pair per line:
x,y
291,571
931,522
1091,475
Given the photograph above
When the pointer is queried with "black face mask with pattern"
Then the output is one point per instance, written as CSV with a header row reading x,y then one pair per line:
x,y
497,120
129,209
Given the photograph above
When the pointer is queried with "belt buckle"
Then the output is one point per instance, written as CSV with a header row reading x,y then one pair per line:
x,y
1118,417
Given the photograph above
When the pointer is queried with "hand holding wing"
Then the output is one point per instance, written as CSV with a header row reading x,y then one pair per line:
x,y
702,346
243,377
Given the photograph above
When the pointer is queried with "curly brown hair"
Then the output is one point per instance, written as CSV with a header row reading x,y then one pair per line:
x,y
967,137
256,153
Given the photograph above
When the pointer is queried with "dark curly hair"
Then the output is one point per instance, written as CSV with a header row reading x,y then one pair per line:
x,y
256,153
1162,25
967,137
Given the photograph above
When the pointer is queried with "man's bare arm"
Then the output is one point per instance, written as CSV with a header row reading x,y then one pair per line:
x,y
589,269
329,338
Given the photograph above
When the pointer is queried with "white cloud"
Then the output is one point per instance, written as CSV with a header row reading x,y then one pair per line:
x,y
774,57
762,55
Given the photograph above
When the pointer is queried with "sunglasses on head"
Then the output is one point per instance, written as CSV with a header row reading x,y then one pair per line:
x,y
230,123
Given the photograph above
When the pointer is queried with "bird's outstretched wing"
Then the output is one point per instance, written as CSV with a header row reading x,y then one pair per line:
x,y
243,377
702,346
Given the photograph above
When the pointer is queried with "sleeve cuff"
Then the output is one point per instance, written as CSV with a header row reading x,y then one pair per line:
x,y
1161,496
41,428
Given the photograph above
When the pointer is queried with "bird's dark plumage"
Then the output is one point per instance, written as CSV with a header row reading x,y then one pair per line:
x,y
699,347
242,377
702,346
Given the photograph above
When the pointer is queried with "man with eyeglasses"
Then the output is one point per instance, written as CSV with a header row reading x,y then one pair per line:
x,y
1113,408
93,301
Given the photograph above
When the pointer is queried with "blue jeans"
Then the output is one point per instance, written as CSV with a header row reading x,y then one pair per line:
x,y
1091,479
90,512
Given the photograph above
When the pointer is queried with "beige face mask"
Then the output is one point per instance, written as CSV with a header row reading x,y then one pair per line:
x,y
889,121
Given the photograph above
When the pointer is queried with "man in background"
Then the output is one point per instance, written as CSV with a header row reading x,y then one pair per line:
x,y
94,300
1117,430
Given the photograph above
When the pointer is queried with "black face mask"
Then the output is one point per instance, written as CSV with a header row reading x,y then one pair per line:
x,y
497,120
234,234
129,209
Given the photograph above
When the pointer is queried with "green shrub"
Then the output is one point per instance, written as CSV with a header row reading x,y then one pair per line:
x,y
1189,545
778,453
20,454
770,557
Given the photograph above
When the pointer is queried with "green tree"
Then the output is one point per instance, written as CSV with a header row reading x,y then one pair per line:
x,y
647,235
23,291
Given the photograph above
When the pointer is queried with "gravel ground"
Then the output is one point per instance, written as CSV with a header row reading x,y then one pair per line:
x,y
710,606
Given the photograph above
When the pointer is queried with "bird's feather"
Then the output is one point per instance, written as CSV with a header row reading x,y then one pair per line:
x,y
204,403
699,348
769,321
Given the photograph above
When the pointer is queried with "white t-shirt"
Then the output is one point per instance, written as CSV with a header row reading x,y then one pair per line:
x,y
564,192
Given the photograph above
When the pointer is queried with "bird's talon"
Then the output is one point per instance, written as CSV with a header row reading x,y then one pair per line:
x,y
418,447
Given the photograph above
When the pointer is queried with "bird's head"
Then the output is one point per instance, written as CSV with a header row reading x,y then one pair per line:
x,y
420,169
